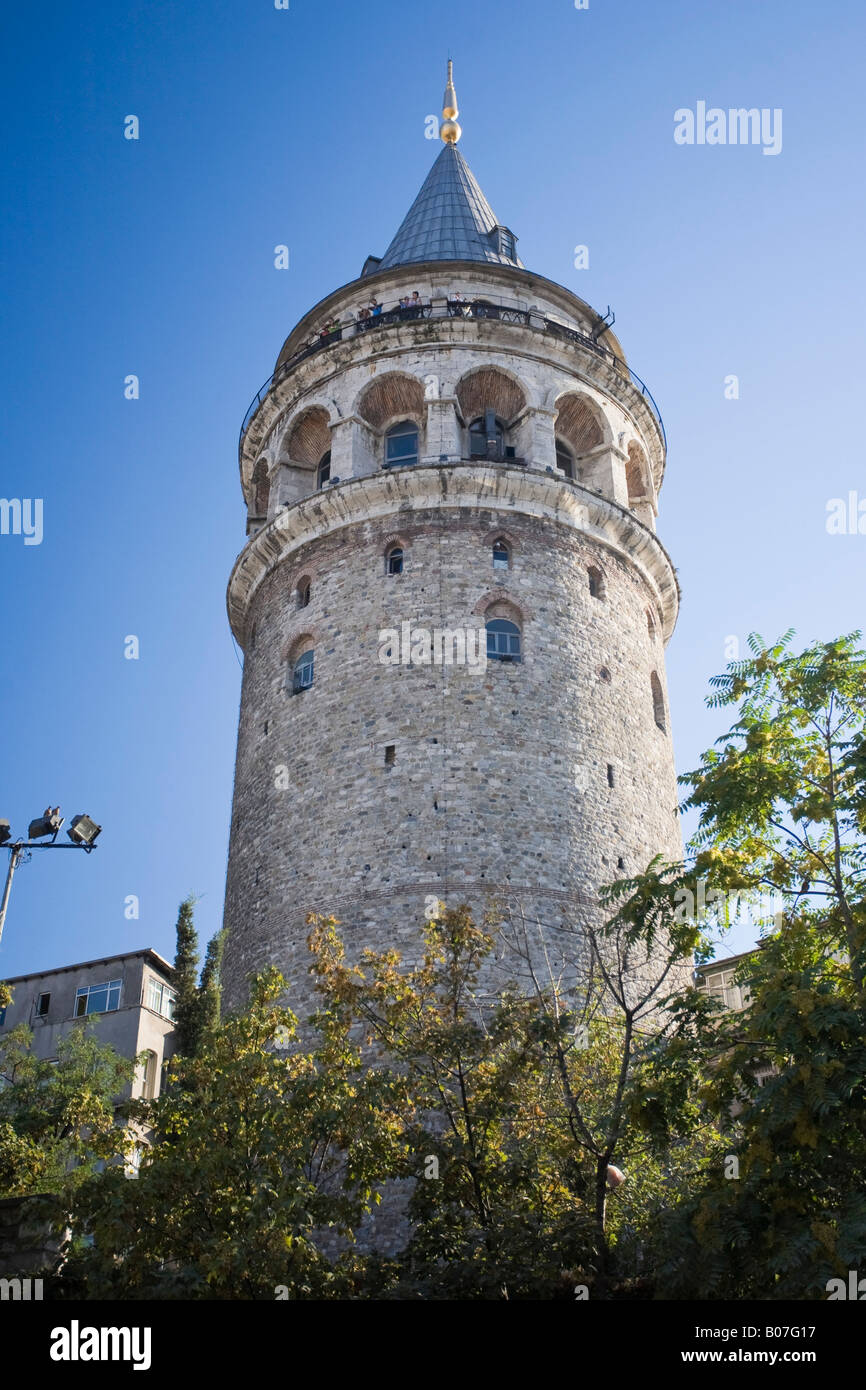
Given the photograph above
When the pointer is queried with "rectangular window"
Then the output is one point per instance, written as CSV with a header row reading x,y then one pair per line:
x,y
2,1017
721,986
97,999
302,677
43,1002
160,998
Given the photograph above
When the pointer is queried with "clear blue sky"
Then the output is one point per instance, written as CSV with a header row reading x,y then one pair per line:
x,y
306,127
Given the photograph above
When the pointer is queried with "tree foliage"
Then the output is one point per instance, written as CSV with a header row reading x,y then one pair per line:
x,y
197,1001
57,1117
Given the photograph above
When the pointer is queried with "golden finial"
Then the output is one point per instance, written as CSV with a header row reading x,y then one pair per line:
x,y
449,130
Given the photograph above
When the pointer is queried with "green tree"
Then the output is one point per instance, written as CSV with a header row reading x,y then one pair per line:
x,y
57,1118
488,1216
197,1001
264,1157
781,1209
620,1026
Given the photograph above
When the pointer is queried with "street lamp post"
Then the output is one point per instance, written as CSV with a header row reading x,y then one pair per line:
x,y
42,834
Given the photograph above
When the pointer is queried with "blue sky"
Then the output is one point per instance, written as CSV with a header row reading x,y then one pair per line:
x,y
306,127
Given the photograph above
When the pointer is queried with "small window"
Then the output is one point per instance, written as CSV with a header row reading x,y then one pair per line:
x,y
305,591
97,999
3,1015
506,243
658,702
610,775
503,640
390,755
596,583
564,459
394,561
501,555
302,673
401,444
323,472
43,1003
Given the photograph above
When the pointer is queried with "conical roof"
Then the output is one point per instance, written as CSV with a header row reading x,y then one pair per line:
x,y
451,220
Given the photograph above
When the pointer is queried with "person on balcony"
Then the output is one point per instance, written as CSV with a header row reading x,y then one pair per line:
x,y
416,304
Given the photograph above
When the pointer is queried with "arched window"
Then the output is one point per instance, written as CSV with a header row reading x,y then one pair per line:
x,y
302,672
564,459
503,640
394,560
401,444
323,472
487,437
658,702
305,592
596,582
501,555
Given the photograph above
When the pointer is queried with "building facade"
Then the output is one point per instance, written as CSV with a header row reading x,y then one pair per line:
x,y
128,999
450,445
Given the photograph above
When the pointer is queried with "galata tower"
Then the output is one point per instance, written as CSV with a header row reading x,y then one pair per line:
x,y
452,602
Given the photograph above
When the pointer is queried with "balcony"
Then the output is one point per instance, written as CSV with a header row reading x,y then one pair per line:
x,y
502,310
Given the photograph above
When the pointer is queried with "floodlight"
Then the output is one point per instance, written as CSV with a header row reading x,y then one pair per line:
x,y
5,831
83,830
47,824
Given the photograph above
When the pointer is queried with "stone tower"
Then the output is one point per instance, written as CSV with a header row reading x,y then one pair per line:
x,y
481,455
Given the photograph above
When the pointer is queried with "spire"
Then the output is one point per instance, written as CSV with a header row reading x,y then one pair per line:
x,y
450,220
449,130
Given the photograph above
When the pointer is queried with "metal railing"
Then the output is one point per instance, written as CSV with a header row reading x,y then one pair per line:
x,y
505,311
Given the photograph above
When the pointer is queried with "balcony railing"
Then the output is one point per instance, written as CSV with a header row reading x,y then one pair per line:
x,y
505,311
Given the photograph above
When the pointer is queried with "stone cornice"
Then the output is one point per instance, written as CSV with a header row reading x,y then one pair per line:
x,y
394,494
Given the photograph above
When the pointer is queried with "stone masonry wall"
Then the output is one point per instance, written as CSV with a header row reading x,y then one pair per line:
x,y
500,780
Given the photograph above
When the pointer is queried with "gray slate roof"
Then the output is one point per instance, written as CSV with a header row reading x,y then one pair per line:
x,y
450,220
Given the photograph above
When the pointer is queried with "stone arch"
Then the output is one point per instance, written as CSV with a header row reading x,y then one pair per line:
x,y
637,474
580,422
308,437
402,539
302,636
502,599
501,533
389,398
490,388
